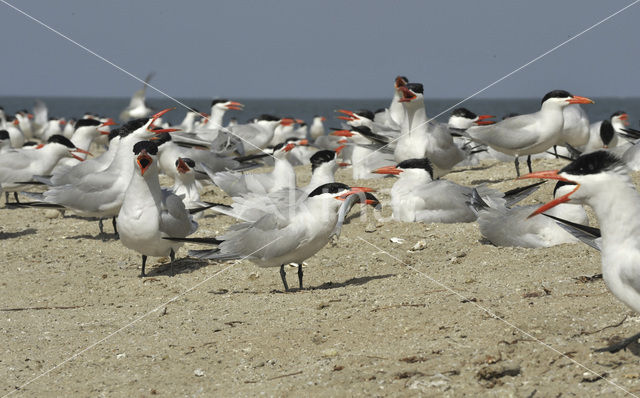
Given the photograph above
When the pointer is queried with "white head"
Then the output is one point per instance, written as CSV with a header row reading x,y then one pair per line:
x,y
462,118
415,169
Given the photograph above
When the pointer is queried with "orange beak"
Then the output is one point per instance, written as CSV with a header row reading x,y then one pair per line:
x,y
342,133
144,161
303,142
580,100
340,148
109,122
324,119
550,175
287,121
157,116
344,164
393,170
182,166
16,122
625,119
160,131
407,95
236,106
482,120
82,151
289,147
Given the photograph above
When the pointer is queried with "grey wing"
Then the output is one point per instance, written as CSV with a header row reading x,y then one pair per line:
x,y
175,219
264,239
505,134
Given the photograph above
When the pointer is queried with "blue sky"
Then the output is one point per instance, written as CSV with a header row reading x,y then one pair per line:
x,y
319,49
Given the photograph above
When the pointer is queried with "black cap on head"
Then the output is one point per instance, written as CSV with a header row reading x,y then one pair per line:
x,y
556,94
113,134
87,122
464,112
4,135
269,118
132,126
161,138
415,87
592,163
219,101
365,113
190,162
332,188
149,146
617,113
423,163
320,157
606,132
61,139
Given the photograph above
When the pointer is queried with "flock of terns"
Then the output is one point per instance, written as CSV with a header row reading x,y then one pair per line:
x,y
280,223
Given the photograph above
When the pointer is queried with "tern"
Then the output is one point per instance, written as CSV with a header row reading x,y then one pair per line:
x,y
504,226
417,197
528,134
419,138
281,231
100,194
18,166
602,181
282,176
149,213
137,107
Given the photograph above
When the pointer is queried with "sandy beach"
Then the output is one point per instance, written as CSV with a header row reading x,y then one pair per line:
x,y
458,318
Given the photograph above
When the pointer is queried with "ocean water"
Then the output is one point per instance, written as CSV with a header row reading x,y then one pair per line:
x,y
305,109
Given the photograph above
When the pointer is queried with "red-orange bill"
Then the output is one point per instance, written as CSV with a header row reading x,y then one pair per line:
x,y
553,203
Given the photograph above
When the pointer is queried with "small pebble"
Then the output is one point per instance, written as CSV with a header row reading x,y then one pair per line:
x,y
397,240
51,214
330,353
198,372
420,245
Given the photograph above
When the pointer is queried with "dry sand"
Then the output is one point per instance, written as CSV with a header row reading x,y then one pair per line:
x,y
371,323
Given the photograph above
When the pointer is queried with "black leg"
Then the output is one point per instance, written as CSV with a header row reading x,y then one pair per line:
x,y
283,275
172,255
144,262
517,163
6,198
621,345
101,226
115,228
300,275
529,164
555,151
15,196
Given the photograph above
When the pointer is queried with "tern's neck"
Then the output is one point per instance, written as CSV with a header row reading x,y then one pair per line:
x,y
216,117
187,188
285,176
145,187
323,174
395,109
617,208
83,139
187,122
415,118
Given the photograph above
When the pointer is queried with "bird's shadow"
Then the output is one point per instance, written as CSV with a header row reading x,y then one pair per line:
x,y
100,236
477,168
357,281
11,235
490,181
180,266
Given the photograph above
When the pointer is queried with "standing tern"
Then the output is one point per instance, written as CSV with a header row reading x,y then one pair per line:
x,y
148,213
282,232
602,181
528,134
